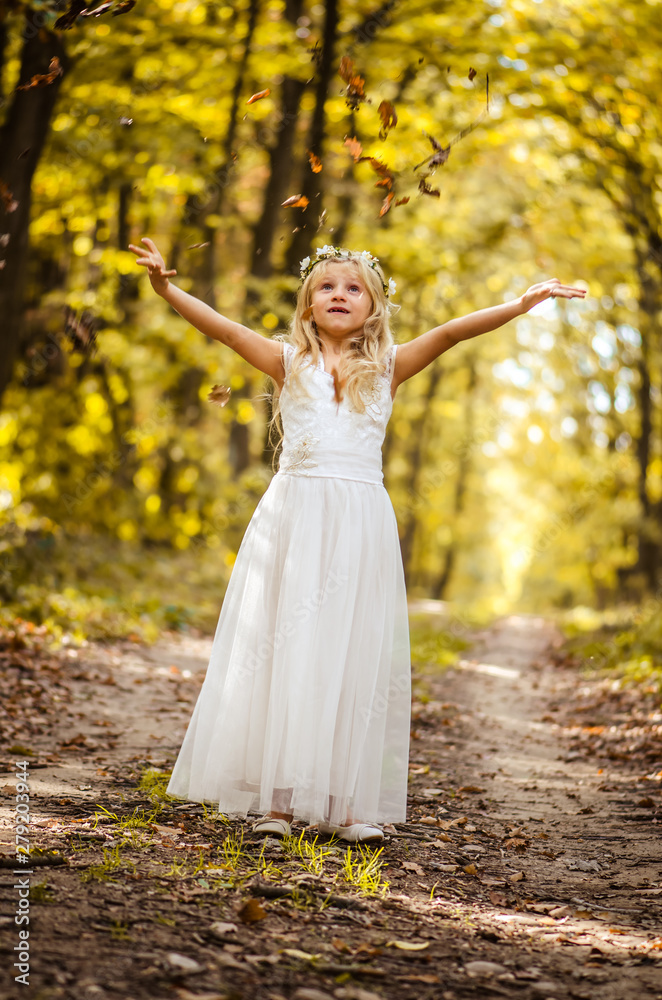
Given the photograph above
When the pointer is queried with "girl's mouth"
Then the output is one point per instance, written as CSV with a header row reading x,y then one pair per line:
x,y
340,309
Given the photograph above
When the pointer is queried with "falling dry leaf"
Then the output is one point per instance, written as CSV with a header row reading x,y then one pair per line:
x,y
68,19
98,10
386,204
258,96
355,148
382,169
295,201
472,73
315,162
198,246
402,201
43,79
82,332
389,118
440,155
219,394
124,7
425,188
355,84
251,911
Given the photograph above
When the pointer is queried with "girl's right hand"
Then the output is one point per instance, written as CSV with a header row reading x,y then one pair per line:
x,y
153,261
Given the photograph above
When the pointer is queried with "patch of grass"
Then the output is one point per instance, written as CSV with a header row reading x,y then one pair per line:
x,y
119,931
630,650
363,870
232,850
308,854
112,862
434,647
153,783
41,893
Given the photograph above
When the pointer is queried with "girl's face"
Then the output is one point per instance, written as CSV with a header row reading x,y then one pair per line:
x,y
340,302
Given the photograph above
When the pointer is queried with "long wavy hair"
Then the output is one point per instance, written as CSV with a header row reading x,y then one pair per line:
x,y
363,357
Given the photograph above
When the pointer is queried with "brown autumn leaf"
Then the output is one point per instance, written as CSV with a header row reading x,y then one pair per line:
x,y
516,877
470,869
315,162
340,945
387,177
82,332
515,844
68,19
386,204
258,96
219,394
470,788
498,898
251,911
96,11
472,72
355,92
411,866
124,7
402,201
296,201
389,118
438,157
43,79
355,148
425,188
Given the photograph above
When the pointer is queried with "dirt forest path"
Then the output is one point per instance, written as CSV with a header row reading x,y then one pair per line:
x,y
530,865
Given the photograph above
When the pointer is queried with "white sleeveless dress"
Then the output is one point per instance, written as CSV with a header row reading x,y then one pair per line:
x,y
305,706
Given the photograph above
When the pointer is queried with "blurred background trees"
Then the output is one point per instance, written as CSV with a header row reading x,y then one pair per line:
x,y
525,466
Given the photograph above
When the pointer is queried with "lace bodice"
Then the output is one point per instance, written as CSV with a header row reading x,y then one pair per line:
x,y
322,437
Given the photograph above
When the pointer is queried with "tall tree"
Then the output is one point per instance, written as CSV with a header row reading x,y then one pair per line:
x,y
22,139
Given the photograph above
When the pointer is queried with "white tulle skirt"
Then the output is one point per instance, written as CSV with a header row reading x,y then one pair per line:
x,y
305,706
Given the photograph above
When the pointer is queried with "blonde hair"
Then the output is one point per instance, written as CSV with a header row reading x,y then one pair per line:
x,y
363,358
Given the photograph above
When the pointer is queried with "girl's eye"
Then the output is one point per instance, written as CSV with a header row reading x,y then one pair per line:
x,y
354,288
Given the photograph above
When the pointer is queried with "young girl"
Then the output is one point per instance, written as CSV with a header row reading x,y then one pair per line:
x,y
304,711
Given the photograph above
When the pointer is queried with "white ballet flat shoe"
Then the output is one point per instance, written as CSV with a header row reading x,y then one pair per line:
x,y
270,824
356,833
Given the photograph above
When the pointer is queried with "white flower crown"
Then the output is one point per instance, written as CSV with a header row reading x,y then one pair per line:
x,y
328,251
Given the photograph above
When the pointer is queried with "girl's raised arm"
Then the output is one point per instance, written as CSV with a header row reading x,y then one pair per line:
x,y
261,352
417,354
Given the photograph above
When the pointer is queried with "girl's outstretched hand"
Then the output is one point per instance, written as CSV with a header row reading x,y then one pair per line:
x,y
153,261
551,289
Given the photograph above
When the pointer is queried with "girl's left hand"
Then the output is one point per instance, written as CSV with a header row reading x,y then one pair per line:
x,y
551,289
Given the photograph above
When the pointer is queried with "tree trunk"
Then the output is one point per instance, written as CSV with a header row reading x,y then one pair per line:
x,y
311,186
22,140
450,555
416,467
